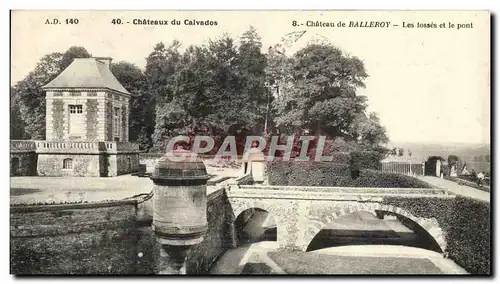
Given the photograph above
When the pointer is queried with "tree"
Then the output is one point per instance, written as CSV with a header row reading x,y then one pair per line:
x,y
72,53
30,96
252,69
278,82
324,96
160,74
368,132
453,161
16,121
141,110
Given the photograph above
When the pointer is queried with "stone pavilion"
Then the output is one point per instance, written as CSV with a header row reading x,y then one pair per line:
x,y
87,118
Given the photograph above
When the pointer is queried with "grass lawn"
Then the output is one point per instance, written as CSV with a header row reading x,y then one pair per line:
x,y
315,263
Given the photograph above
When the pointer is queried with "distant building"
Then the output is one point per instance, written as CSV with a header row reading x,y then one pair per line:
x,y
87,122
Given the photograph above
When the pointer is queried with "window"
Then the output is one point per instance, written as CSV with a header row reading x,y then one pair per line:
x,y
75,109
67,164
116,122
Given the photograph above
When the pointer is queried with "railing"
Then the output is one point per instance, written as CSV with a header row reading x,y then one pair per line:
x,y
53,145
59,146
402,168
22,145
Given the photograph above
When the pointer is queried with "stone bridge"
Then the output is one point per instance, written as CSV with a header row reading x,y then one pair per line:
x,y
302,212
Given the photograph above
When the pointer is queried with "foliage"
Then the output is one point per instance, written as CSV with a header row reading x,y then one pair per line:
x,y
466,223
470,235
372,178
29,95
227,87
306,173
216,89
333,174
72,53
453,160
16,119
141,118
360,160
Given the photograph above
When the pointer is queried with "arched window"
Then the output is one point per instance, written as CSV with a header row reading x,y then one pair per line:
x,y
67,164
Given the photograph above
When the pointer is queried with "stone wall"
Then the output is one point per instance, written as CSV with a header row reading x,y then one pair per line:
x,y
87,165
122,163
149,160
92,119
73,239
106,238
219,237
58,122
124,126
23,163
109,121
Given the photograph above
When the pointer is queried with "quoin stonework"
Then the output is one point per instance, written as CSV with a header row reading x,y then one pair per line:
x,y
87,118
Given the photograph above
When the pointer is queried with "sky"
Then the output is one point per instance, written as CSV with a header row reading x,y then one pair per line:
x,y
425,84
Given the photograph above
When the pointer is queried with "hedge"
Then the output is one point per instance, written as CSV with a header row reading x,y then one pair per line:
x,y
371,178
360,160
329,174
466,223
340,157
305,173
469,239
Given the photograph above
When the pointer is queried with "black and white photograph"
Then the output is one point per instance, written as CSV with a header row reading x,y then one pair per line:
x,y
263,142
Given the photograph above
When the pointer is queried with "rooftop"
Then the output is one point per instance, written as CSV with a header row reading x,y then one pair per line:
x,y
87,73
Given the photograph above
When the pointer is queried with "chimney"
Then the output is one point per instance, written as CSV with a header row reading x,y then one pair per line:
x,y
105,60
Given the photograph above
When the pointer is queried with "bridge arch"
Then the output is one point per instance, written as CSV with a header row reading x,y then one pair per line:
x,y
430,225
239,205
262,226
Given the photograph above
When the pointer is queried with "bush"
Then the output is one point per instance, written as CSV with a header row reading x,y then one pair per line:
x,y
371,178
330,174
469,236
466,223
305,173
340,157
360,160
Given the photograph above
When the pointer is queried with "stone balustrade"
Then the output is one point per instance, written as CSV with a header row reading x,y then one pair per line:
x,y
71,146
48,145
22,145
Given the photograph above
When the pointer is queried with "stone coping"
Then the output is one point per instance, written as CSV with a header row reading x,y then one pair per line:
x,y
330,193
81,190
20,208
383,190
27,208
